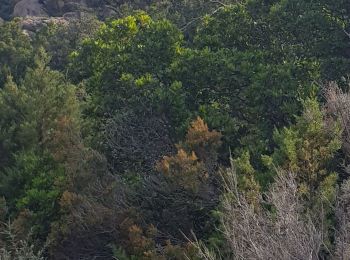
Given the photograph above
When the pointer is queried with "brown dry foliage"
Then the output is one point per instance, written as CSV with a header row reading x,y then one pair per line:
x,y
204,143
196,158
201,140
183,169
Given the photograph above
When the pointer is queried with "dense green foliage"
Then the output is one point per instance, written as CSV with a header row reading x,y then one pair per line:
x,y
115,135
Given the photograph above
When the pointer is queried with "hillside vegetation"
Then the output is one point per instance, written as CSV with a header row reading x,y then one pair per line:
x,y
177,130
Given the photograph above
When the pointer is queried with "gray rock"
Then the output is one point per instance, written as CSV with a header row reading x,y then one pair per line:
x,y
26,8
33,24
108,11
72,15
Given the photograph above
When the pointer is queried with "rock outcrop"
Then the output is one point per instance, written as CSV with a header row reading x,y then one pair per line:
x,y
61,7
42,8
37,14
57,8
31,24
26,8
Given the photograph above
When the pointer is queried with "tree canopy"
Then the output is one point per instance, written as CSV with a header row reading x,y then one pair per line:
x,y
176,130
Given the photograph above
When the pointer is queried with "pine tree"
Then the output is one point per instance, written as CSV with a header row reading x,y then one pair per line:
x,y
38,129
307,148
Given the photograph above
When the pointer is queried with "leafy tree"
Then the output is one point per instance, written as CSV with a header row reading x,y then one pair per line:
x,y
232,27
129,54
244,89
185,14
246,68
129,60
312,30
